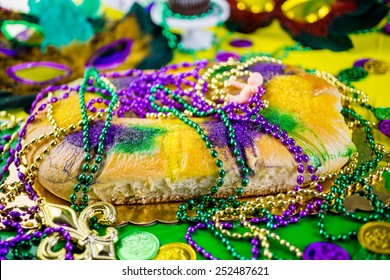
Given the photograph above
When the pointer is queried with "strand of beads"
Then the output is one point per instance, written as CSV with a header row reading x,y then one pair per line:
x,y
382,114
172,39
301,159
23,241
284,52
27,177
334,199
360,180
11,190
6,141
358,96
234,70
257,236
134,99
84,179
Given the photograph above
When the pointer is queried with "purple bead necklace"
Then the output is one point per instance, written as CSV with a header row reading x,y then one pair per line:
x,y
26,239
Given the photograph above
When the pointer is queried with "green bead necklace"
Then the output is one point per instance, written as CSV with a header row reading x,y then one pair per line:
x,y
85,178
285,51
361,174
338,192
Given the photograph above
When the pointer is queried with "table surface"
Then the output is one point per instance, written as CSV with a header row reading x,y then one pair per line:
x,y
269,40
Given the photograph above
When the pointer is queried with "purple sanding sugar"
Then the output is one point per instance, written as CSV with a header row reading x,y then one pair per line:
x,y
245,136
268,70
114,132
245,133
132,138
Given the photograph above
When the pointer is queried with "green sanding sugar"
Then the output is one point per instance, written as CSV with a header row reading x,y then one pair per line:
x,y
350,151
285,121
138,139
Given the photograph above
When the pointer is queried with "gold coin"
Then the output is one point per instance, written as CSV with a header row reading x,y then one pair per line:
x,y
376,66
176,251
375,237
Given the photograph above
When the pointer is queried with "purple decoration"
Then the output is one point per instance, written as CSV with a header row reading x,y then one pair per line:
x,y
224,56
384,127
246,133
360,62
114,134
241,43
111,56
386,29
149,7
325,251
7,52
268,70
11,71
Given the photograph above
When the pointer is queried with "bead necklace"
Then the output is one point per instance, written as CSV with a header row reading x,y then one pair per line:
x,y
84,179
22,242
363,183
284,52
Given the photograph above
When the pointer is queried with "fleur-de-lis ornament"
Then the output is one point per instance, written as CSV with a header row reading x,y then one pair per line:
x,y
93,245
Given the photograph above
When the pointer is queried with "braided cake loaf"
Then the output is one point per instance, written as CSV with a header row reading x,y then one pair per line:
x,y
163,160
